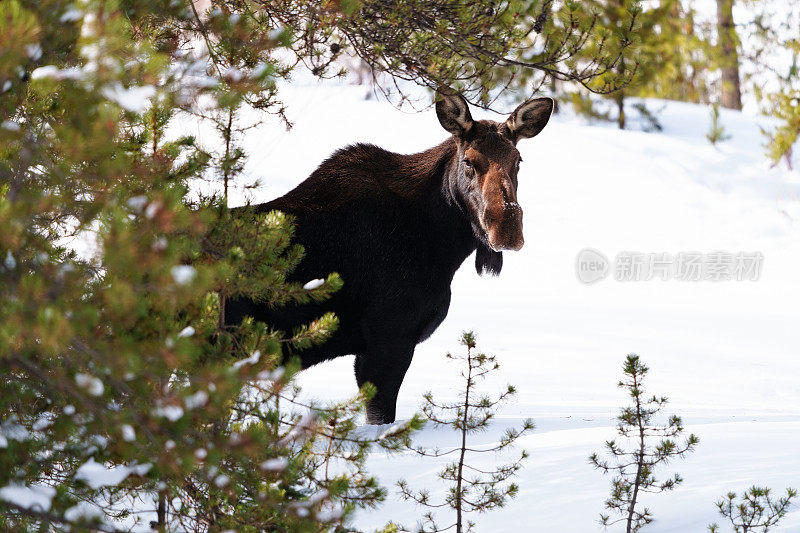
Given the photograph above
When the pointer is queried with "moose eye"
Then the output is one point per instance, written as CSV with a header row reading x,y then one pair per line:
x,y
467,164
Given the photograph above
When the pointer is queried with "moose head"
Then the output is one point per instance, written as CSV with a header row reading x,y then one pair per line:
x,y
484,176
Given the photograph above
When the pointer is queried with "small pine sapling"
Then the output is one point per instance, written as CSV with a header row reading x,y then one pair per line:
x,y
471,489
716,131
756,511
634,467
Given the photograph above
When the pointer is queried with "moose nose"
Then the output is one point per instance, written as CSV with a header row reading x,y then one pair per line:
x,y
506,233
500,240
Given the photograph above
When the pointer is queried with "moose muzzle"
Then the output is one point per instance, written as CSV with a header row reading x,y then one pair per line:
x,y
502,216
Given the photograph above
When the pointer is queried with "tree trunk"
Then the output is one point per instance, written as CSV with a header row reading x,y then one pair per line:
x,y
460,475
619,98
161,512
726,33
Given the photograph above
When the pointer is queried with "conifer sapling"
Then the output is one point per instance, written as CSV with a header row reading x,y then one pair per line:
x,y
756,511
646,445
471,489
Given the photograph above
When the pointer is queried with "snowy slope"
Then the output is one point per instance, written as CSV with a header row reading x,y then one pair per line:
x,y
726,353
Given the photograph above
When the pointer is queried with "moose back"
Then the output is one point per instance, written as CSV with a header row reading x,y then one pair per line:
x,y
396,228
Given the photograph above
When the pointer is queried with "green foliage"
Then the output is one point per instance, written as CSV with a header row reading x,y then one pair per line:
x,y
634,461
756,511
471,489
568,43
627,20
786,106
716,131
669,58
772,58
114,363
474,46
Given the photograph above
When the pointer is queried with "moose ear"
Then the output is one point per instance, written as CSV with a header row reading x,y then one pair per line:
x,y
453,113
530,118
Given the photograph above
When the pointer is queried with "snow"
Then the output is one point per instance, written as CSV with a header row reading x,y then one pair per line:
x,y
10,125
71,15
170,412
725,353
83,511
314,284
188,331
198,399
135,99
97,475
48,71
253,359
275,465
152,209
92,384
183,274
33,51
271,375
44,421
10,262
137,203
52,71
128,433
33,498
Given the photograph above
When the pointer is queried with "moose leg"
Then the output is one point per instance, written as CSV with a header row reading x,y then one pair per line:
x,y
384,367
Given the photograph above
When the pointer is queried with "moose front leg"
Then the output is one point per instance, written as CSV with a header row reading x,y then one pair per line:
x,y
385,367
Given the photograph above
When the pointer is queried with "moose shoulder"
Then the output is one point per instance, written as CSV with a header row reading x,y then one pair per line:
x,y
396,228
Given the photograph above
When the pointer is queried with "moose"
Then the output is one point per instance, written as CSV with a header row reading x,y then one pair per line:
x,y
396,228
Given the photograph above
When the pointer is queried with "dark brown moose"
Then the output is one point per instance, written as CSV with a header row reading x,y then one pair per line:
x,y
396,228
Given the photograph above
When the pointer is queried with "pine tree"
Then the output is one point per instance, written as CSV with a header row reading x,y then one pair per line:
x,y
634,466
660,59
756,512
670,50
716,131
773,57
121,392
584,52
471,489
679,56
728,42
786,106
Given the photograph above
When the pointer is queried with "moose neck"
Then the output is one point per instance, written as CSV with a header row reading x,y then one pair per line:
x,y
450,219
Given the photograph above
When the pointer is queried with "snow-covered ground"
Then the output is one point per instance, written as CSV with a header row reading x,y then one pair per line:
x,y
726,353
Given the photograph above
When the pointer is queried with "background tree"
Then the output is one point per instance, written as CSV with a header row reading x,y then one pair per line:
x,y
681,54
669,59
773,58
471,489
756,510
728,42
634,467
